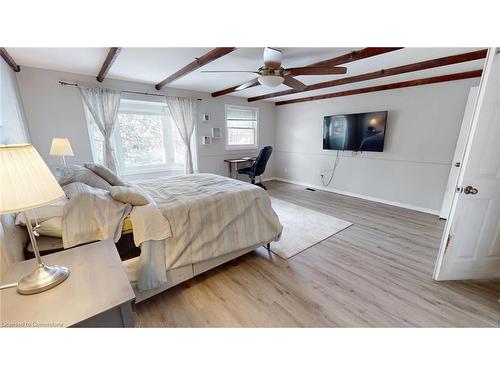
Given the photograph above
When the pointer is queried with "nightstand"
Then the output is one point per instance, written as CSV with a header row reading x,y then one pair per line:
x,y
97,292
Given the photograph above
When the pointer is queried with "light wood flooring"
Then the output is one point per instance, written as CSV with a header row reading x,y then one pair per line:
x,y
376,273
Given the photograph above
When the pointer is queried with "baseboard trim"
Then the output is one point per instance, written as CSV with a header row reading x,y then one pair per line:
x,y
269,179
361,196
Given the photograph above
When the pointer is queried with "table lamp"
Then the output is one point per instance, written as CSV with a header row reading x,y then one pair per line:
x,y
61,147
27,183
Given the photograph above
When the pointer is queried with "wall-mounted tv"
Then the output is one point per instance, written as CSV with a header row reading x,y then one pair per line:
x,y
356,131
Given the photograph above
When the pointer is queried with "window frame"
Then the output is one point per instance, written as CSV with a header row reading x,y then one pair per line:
x,y
143,169
253,146
116,141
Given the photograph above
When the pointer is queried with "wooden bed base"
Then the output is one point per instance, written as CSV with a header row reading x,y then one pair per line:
x,y
127,250
186,273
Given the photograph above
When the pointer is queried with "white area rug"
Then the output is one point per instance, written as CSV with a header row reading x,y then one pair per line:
x,y
302,228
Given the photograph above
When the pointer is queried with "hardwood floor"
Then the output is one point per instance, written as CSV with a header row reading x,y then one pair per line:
x,y
376,273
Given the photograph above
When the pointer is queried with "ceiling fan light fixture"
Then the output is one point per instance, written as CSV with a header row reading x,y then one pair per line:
x,y
271,80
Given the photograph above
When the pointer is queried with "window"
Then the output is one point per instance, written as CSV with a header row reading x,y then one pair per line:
x,y
241,127
145,139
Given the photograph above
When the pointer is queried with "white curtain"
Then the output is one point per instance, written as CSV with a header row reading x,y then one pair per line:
x,y
103,105
183,112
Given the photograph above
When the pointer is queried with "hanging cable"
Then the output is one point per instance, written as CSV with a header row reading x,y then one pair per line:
x,y
335,164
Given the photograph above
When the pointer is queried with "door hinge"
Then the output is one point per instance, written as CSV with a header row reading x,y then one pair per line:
x,y
447,242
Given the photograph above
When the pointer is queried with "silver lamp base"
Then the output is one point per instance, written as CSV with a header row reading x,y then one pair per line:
x,y
41,279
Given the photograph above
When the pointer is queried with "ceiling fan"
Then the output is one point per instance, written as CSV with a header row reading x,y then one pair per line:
x,y
272,74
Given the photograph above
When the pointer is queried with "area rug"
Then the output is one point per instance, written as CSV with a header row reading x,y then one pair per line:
x,y
302,228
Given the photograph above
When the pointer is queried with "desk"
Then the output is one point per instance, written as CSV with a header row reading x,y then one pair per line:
x,y
233,165
97,292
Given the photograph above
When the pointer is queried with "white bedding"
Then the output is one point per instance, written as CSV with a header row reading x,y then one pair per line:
x,y
194,218
211,215
91,215
54,210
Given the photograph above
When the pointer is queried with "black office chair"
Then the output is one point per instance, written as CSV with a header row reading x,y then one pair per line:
x,y
258,167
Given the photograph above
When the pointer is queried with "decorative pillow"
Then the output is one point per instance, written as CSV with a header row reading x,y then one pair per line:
x,y
76,173
45,213
131,195
105,173
51,227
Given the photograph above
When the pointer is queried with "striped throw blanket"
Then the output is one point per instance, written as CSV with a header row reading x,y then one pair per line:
x,y
91,215
210,216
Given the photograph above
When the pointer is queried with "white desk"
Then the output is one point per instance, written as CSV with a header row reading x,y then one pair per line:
x,y
97,292
233,165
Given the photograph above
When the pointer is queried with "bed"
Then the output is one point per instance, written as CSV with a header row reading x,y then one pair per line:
x,y
211,220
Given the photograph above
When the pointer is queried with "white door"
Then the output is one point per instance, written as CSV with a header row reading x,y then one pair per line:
x,y
449,193
470,248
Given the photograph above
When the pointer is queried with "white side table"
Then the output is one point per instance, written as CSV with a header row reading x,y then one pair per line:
x,y
97,292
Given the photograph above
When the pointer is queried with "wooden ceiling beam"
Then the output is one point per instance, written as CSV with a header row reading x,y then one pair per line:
x,y
210,56
428,64
9,60
344,59
355,56
390,86
110,59
229,90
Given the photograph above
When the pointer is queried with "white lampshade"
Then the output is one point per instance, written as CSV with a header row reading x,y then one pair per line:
x,y
61,147
270,80
25,180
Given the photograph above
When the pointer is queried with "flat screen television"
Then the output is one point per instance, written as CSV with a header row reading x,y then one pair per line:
x,y
356,131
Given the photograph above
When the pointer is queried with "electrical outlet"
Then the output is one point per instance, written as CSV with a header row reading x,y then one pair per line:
x,y
285,170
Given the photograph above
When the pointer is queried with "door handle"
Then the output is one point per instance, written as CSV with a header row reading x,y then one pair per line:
x,y
470,190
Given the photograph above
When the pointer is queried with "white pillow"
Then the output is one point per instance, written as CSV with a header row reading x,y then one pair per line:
x,y
51,227
131,195
76,173
44,213
105,173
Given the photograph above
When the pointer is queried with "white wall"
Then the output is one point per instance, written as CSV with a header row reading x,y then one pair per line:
x,y
12,119
422,130
53,110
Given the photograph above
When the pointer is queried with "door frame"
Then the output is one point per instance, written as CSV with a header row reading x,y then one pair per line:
x,y
449,193
463,164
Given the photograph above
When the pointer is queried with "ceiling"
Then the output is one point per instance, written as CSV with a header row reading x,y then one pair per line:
x,y
151,65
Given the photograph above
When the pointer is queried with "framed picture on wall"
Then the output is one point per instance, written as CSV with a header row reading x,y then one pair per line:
x,y
216,133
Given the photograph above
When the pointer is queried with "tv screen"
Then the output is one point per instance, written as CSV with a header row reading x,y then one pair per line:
x,y
357,131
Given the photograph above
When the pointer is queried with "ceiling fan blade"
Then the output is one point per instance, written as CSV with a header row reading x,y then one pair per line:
x,y
315,71
294,83
272,58
253,82
228,71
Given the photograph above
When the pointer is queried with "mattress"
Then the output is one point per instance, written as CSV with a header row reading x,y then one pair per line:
x,y
48,245
53,227
49,219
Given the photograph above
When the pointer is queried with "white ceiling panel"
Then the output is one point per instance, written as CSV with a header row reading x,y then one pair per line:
x,y
74,60
151,65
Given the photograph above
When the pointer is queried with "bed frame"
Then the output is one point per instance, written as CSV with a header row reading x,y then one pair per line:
x,y
186,273
49,245
128,251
